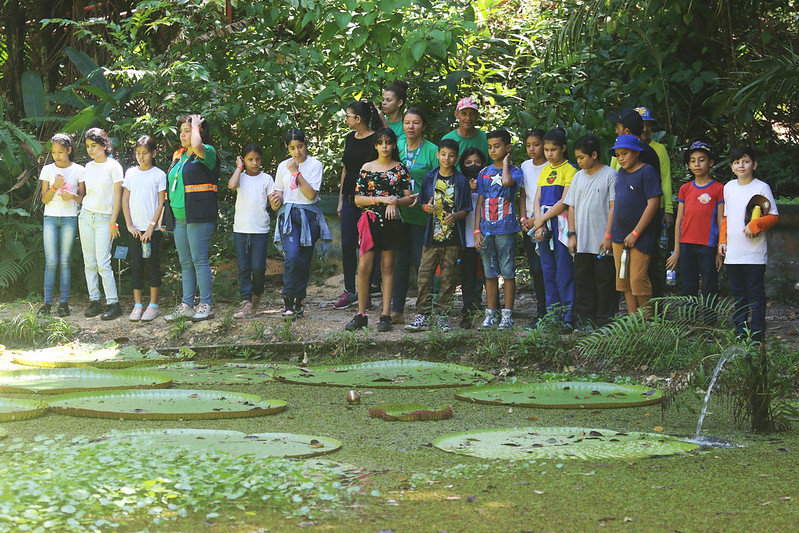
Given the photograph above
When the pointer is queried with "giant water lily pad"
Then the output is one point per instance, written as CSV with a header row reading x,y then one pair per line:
x,y
234,442
559,443
108,355
399,373
562,395
193,373
165,404
410,412
64,380
15,409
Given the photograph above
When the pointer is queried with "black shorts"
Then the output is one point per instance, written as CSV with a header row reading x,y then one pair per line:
x,y
388,234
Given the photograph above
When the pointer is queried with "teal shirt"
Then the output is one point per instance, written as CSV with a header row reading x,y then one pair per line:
x,y
478,140
396,127
175,189
420,163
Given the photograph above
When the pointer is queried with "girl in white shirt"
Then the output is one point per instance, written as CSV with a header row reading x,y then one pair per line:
x,y
251,226
97,223
143,198
62,191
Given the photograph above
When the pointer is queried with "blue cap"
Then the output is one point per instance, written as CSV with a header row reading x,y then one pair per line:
x,y
697,146
646,114
626,141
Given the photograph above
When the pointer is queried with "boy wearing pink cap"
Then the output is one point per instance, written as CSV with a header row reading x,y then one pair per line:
x,y
467,112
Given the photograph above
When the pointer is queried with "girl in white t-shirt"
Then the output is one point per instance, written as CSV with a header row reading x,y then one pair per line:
x,y
97,223
62,191
534,144
143,198
300,222
251,226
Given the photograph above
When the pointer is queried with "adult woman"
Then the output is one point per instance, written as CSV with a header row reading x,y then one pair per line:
x,y
363,119
191,188
383,186
420,157
394,98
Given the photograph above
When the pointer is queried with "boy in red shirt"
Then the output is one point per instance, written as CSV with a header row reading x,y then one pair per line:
x,y
696,231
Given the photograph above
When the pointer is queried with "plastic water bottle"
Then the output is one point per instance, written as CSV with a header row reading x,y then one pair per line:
x,y
664,237
624,263
146,249
671,276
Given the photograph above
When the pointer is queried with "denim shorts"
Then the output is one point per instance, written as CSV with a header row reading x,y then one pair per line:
x,y
499,256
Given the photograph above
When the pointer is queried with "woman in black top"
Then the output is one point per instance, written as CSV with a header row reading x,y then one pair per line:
x,y
363,118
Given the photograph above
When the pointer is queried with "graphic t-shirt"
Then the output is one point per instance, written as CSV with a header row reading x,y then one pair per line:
x,y
701,209
632,192
144,186
498,215
443,204
591,194
252,199
57,207
391,182
741,250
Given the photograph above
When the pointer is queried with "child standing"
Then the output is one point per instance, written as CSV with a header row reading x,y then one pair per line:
x,y
446,198
590,201
743,244
251,226
97,223
62,191
534,144
143,198
552,224
300,222
472,161
382,187
467,134
696,231
634,229
495,229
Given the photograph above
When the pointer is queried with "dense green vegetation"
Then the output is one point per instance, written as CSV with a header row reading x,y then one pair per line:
x,y
723,70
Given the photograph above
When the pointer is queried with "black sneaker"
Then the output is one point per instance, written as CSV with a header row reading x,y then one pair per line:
x,y
375,290
467,321
63,309
385,324
94,309
112,311
299,309
44,309
358,322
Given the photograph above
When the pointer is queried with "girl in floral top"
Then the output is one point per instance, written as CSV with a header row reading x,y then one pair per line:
x,y
382,187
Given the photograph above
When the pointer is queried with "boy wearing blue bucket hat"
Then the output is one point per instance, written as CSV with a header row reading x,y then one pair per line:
x,y
634,228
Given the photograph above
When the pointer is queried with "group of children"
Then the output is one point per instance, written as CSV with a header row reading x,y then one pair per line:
x,y
589,231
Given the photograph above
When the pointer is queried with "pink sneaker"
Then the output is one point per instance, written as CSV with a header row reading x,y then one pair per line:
x,y
346,300
136,314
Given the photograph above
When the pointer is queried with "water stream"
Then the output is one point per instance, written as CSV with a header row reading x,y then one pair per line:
x,y
729,354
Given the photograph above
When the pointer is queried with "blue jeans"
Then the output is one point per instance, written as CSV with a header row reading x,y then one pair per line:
x,y
58,234
192,242
95,242
297,261
251,259
749,291
696,260
411,254
499,256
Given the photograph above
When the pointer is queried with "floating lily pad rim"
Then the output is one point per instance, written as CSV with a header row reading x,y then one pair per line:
x,y
163,380
405,412
275,406
27,409
377,365
576,404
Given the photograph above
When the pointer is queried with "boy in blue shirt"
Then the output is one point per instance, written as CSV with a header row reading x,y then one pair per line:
x,y
496,227
446,197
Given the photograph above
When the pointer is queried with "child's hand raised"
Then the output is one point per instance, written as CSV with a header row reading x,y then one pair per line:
x,y
59,181
239,162
292,165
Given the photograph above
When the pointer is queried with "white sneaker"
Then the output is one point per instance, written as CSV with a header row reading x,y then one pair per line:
x,y
245,310
442,324
203,313
490,320
181,311
136,314
420,323
507,319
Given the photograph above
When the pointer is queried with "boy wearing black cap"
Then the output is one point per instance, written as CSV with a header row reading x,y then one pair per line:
x,y
696,231
633,231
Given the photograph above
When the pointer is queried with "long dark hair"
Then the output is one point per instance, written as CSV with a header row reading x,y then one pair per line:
x,y
389,135
205,128
66,141
368,113
100,137
295,134
400,90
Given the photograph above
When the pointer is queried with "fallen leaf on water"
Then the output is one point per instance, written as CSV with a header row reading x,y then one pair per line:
x,y
785,498
539,491
658,428
766,503
533,418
